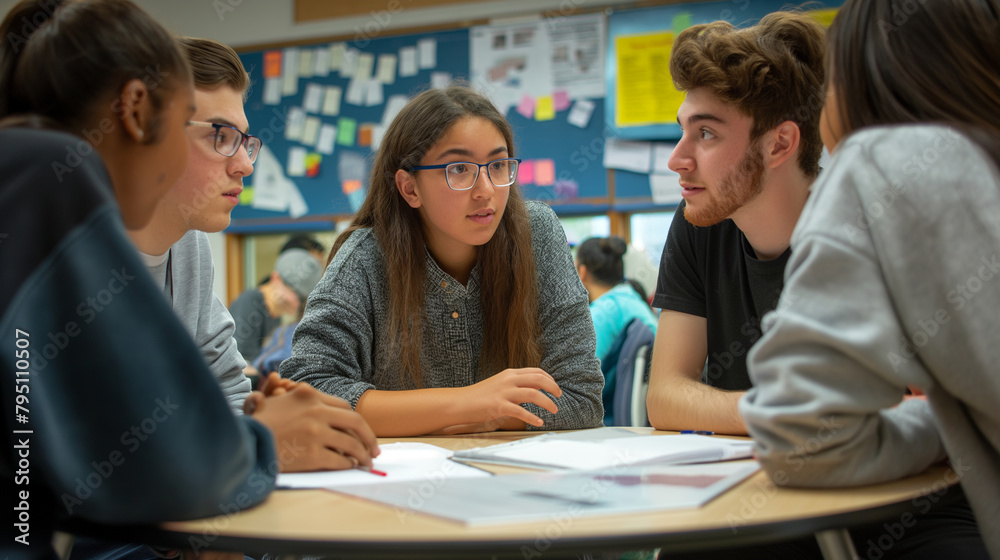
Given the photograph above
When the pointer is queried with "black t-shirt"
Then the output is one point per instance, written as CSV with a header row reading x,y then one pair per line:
x,y
712,272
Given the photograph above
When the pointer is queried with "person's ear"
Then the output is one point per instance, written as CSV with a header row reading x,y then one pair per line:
x,y
407,187
137,112
581,269
783,144
276,278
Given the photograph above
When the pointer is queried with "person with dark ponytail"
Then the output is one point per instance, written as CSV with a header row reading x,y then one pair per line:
x,y
614,303
95,99
894,279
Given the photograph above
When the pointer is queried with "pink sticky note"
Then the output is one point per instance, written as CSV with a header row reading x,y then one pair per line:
x,y
545,172
526,107
560,100
526,172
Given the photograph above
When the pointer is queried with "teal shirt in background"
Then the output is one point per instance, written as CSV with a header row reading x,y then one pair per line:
x,y
612,312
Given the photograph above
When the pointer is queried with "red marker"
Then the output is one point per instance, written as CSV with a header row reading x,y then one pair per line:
x,y
373,471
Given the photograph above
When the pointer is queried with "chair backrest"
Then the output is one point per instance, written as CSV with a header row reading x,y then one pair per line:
x,y
632,380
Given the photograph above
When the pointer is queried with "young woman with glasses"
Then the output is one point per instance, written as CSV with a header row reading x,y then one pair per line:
x,y
450,304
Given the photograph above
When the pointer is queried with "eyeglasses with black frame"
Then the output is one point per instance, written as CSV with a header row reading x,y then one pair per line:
x,y
462,175
228,139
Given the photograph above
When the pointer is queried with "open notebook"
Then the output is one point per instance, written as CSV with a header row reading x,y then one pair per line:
x,y
605,448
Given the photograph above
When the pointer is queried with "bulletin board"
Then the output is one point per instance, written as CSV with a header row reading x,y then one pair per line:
x,y
326,161
331,189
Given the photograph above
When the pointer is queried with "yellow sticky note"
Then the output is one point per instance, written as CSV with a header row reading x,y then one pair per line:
x,y
825,17
545,109
246,197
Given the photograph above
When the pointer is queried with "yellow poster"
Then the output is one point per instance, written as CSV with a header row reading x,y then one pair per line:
x,y
645,94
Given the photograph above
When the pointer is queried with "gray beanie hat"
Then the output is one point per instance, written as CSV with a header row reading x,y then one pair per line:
x,y
299,270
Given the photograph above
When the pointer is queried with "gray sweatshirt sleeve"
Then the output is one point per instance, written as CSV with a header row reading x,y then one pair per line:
x,y
567,338
208,320
834,362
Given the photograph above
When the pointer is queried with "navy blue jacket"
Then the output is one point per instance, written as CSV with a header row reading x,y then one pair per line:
x,y
110,412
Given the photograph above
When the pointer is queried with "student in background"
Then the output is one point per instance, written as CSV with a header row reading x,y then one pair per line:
x,y
746,162
307,242
257,311
614,303
98,351
893,279
450,304
278,346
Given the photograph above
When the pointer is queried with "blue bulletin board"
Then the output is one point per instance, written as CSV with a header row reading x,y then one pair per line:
x,y
580,179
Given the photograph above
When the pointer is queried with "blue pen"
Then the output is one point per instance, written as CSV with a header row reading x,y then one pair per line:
x,y
698,432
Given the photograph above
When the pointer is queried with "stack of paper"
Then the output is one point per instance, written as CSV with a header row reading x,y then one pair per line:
x,y
606,448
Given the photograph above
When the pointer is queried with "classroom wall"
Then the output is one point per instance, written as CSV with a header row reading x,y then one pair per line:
x,y
244,23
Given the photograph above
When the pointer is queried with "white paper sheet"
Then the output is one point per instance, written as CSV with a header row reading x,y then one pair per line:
x,y
386,71
327,138
375,95
296,161
407,62
665,188
321,62
270,185
272,91
366,66
337,51
400,461
428,53
290,71
331,101
313,98
581,112
661,155
310,131
627,155
295,124
357,91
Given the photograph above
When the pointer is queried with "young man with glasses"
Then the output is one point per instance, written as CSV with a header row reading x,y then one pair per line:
x,y
176,251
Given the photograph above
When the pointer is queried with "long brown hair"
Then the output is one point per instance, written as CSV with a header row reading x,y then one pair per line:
x,y
60,59
893,64
772,72
507,264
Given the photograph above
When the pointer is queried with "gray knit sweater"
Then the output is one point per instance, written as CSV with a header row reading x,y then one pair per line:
x,y
341,345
